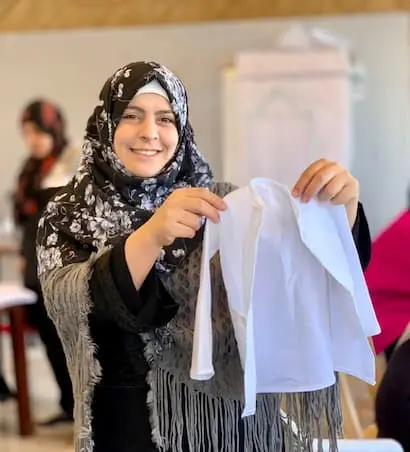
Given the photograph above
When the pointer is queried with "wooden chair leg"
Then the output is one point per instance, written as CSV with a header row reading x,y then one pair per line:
x,y
20,368
352,425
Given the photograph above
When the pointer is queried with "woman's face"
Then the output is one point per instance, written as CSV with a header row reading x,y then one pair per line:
x,y
38,142
146,137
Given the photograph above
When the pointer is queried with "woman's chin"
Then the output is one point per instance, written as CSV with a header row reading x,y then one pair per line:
x,y
145,171
146,167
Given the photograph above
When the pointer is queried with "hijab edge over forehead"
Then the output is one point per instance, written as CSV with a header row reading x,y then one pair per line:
x,y
49,119
39,104
123,89
152,87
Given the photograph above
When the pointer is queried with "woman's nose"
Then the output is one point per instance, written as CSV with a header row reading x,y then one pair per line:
x,y
148,129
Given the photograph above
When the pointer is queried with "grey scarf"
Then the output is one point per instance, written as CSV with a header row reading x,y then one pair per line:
x,y
103,203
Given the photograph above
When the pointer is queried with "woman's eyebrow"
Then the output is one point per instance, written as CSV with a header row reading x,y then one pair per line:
x,y
139,109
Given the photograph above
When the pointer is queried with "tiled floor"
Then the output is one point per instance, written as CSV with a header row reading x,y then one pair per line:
x,y
44,393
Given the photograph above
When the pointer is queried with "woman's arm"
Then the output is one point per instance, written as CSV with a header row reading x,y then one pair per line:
x,y
102,286
141,250
361,236
116,298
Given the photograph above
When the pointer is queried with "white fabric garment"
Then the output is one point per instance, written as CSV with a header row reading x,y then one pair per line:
x,y
296,292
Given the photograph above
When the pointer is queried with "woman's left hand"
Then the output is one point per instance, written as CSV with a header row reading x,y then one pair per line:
x,y
329,181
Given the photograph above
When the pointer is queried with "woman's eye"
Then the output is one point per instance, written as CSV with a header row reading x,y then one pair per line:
x,y
130,116
167,120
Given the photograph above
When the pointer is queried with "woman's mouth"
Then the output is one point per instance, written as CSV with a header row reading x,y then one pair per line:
x,y
145,152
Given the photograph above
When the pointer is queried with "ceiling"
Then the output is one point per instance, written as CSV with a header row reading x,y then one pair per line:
x,y
24,15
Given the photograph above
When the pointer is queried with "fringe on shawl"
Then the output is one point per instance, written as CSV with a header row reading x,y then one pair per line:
x,y
179,415
68,303
182,416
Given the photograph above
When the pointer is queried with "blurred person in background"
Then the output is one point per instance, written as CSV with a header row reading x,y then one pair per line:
x,y
387,278
49,165
389,284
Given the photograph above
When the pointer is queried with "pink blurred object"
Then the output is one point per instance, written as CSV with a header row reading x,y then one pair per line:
x,y
388,279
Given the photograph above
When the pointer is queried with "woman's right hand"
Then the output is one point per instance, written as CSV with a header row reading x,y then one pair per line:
x,y
180,215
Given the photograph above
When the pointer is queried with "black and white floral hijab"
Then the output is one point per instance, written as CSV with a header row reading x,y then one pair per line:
x,y
104,202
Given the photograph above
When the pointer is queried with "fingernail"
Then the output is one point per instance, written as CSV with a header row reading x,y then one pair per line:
x,y
295,192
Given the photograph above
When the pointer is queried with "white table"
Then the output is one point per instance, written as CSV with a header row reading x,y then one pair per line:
x,y
13,298
365,445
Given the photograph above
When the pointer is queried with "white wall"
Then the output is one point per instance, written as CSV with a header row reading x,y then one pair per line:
x,y
70,67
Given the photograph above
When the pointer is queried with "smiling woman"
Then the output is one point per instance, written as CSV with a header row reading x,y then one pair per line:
x,y
119,254
146,137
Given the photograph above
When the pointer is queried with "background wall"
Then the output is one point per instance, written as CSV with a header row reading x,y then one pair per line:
x,y
70,67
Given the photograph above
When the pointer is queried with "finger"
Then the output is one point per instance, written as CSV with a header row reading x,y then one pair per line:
x,y
189,219
333,189
342,196
319,181
307,176
201,207
179,230
184,232
206,195
347,194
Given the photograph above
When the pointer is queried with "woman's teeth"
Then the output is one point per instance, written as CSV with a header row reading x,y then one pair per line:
x,y
144,152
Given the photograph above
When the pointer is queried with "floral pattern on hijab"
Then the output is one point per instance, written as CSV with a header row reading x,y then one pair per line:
x,y
105,202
